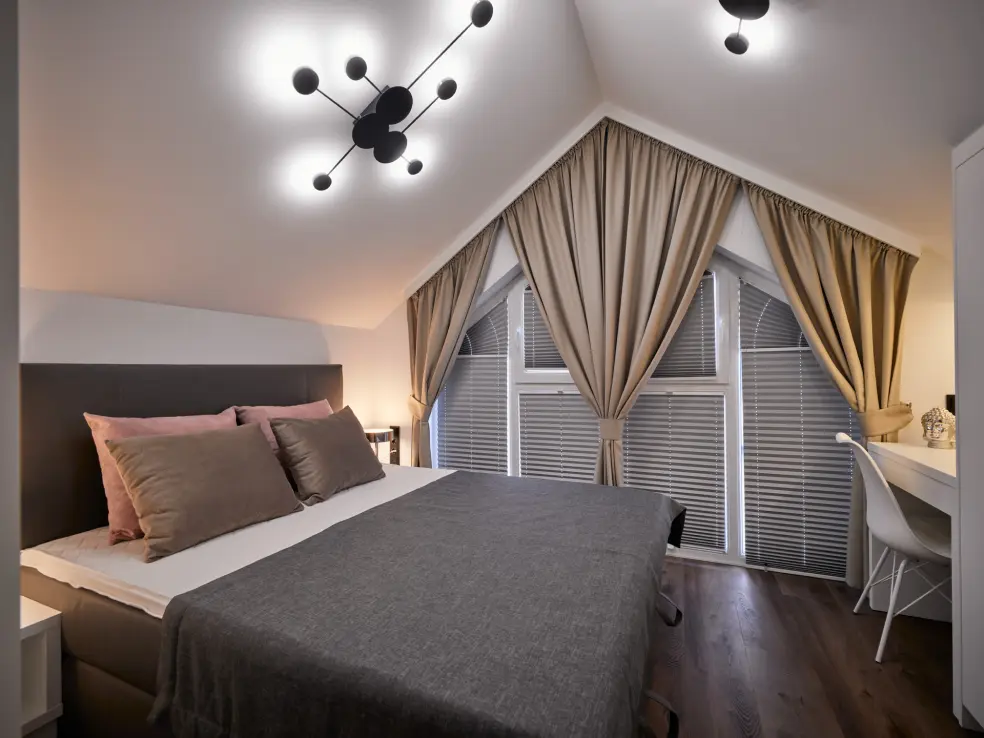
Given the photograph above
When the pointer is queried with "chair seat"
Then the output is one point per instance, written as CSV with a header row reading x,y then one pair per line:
x,y
933,531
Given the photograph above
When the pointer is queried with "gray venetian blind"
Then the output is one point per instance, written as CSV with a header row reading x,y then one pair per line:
x,y
691,353
539,350
693,350
471,411
674,444
558,436
797,479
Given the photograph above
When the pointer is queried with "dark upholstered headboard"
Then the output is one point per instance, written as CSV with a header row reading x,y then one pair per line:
x,y
61,486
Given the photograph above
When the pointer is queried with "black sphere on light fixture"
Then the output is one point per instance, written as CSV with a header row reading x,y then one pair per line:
x,y
390,147
746,9
394,105
743,10
356,68
306,80
736,44
481,13
390,106
368,130
447,88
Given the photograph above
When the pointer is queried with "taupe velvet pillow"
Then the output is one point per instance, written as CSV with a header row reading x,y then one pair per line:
x,y
191,488
326,455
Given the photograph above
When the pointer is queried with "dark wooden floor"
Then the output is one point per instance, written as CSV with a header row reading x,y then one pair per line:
x,y
780,656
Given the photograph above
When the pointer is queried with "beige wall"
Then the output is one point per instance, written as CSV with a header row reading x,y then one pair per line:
x,y
9,477
64,327
928,351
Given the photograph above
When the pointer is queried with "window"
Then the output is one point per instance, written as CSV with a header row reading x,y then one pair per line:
x,y
691,353
797,479
471,410
737,422
675,444
693,350
558,436
539,350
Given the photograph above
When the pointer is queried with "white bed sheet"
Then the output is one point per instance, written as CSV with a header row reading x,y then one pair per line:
x,y
87,561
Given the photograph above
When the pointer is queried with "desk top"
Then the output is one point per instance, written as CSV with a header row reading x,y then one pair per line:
x,y
938,463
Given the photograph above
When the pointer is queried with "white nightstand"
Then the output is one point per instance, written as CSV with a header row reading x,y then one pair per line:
x,y
41,705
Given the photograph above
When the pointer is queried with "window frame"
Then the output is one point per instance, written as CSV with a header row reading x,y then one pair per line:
x,y
728,272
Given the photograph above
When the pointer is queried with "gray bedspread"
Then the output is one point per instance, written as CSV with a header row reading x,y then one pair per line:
x,y
476,606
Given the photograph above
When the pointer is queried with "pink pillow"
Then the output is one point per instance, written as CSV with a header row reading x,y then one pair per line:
x,y
262,414
123,523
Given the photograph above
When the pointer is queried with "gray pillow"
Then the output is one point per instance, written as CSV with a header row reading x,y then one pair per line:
x,y
326,455
190,488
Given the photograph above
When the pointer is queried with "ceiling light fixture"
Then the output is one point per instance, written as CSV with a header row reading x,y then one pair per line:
x,y
743,10
390,106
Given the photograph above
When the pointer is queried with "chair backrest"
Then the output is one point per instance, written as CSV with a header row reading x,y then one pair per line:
x,y
885,517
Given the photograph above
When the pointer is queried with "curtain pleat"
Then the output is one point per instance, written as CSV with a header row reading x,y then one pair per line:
x,y
436,319
614,240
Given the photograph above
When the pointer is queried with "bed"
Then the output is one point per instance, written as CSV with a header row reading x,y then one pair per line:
x,y
426,603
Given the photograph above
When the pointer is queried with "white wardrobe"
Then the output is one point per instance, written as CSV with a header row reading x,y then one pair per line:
x,y
968,183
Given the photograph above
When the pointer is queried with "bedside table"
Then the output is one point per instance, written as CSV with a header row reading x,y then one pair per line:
x,y
40,635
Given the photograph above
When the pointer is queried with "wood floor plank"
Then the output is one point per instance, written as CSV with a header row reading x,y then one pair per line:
x,y
780,656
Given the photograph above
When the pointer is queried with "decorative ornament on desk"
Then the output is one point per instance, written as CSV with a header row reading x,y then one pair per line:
x,y
939,428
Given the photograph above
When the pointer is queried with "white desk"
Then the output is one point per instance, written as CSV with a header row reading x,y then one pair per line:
x,y
931,475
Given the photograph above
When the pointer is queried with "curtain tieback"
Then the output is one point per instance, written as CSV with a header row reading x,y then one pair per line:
x,y
419,410
885,420
611,428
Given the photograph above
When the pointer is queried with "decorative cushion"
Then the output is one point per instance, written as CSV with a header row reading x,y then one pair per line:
x,y
123,524
191,488
262,414
326,456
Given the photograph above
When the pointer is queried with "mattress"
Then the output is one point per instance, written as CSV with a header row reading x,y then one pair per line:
x,y
87,560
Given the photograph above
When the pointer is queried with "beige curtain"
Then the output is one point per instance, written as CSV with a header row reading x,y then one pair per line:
x,y
436,317
614,239
848,292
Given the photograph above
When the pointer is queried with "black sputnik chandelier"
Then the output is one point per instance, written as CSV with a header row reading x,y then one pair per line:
x,y
743,10
390,107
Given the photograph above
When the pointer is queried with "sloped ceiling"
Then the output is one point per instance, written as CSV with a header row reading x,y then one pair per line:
x,y
166,158
859,100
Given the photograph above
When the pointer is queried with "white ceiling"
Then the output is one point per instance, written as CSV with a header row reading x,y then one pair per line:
x,y
165,156
859,100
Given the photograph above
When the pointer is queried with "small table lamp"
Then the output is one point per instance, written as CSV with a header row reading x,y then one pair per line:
x,y
390,435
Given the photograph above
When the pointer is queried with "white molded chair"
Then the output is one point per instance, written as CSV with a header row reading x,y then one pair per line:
x,y
919,540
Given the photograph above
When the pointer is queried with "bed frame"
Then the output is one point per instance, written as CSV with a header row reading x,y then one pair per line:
x,y
110,650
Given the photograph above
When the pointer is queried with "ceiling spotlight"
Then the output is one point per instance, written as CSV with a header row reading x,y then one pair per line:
x,y
743,10
390,106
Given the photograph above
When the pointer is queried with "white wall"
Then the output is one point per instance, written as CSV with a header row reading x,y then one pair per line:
x,y
9,390
928,349
62,327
